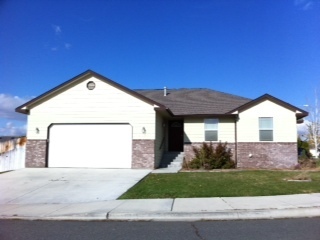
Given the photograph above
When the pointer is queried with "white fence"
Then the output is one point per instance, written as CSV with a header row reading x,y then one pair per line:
x,y
12,154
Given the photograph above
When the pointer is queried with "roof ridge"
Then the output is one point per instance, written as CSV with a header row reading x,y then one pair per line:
x,y
158,89
209,89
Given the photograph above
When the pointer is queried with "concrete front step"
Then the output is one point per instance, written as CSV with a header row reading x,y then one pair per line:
x,y
172,160
175,164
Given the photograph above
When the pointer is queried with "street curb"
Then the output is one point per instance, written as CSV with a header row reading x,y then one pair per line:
x,y
306,212
58,218
217,216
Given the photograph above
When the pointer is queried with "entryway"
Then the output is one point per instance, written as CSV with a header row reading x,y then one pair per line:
x,y
175,133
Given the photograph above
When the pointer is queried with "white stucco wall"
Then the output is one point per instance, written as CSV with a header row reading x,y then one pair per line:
x,y
284,123
104,104
194,130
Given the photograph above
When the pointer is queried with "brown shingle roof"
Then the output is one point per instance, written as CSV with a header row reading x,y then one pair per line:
x,y
195,101
179,102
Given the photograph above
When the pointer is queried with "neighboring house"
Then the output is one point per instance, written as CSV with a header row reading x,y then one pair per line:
x,y
92,121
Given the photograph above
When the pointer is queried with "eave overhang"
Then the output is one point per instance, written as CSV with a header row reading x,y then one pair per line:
x,y
299,112
25,108
207,115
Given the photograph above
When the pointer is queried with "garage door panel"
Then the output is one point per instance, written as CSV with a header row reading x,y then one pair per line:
x,y
90,145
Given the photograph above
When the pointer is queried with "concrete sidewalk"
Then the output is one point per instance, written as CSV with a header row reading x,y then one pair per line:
x,y
180,209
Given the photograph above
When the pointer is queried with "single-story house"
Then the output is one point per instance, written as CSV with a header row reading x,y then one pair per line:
x,y
91,121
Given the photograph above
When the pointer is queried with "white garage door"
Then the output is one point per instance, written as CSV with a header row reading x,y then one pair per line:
x,y
90,145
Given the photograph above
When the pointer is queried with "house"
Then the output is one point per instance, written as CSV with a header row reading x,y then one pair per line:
x,y
91,121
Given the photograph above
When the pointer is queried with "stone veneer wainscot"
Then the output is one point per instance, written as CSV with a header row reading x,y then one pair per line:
x,y
143,154
36,153
267,155
257,155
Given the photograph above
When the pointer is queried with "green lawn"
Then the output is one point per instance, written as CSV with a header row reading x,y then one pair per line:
x,y
222,184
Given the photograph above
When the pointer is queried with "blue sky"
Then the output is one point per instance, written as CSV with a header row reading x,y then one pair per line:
x,y
247,47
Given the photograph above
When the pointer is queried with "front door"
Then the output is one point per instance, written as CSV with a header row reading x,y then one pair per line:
x,y
176,136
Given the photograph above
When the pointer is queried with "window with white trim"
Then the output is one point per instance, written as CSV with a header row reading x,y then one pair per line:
x,y
211,129
265,128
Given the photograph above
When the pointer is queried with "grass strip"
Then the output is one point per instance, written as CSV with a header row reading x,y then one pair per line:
x,y
222,184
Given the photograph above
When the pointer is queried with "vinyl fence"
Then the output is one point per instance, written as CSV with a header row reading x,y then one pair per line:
x,y
12,153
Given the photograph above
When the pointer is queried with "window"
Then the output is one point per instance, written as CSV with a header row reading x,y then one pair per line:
x,y
266,128
211,129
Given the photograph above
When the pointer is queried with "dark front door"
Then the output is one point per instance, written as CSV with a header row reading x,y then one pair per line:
x,y
176,136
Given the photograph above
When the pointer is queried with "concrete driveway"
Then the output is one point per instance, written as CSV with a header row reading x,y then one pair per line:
x,y
66,185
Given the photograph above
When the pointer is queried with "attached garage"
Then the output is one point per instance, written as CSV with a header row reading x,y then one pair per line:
x,y
90,145
91,121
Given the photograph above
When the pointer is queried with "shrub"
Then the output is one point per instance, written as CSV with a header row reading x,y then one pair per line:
x,y
195,164
307,163
203,156
305,157
303,149
207,157
222,157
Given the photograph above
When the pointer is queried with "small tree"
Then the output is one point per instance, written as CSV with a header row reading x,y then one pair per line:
x,y
313,125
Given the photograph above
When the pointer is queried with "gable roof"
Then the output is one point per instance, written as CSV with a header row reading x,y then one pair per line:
x,y
81,77
177,102
299,112
184,102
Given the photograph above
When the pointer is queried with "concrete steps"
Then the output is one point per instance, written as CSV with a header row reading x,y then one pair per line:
x,y
172,160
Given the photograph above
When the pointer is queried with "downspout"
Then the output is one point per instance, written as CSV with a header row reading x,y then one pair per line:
x,y
236,140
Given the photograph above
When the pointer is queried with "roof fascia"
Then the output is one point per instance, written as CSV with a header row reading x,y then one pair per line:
x,y
23,108
272,99
208,115
87,74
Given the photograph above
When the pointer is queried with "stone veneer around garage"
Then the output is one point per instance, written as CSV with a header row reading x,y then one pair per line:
x,y
266,155
36,153
143,154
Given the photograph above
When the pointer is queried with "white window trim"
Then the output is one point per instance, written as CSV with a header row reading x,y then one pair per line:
x,y
266,129
213,129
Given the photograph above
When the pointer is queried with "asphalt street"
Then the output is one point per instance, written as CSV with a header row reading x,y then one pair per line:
x,y
291,229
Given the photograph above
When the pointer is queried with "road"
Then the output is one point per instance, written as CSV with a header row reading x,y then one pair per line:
x,y
293,229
